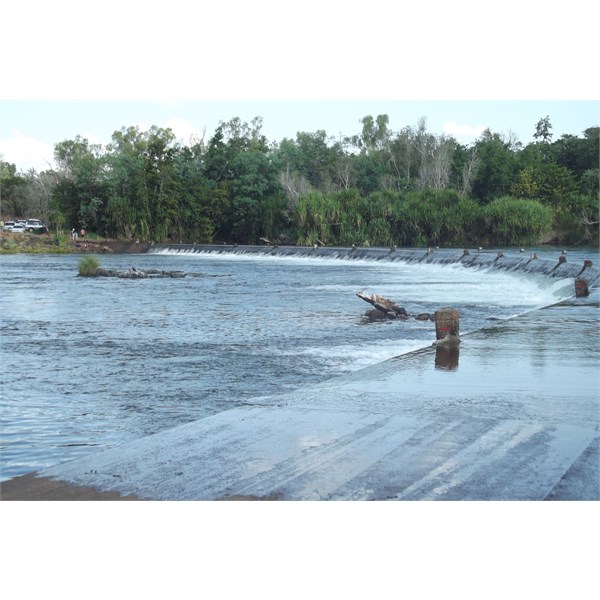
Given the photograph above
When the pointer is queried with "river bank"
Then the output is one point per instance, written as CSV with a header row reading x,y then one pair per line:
x,y
45,243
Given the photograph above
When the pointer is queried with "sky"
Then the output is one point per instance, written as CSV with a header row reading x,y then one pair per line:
x,y
30,128
464,66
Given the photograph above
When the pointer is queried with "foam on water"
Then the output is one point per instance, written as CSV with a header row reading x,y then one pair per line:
x,y
414,282
345,358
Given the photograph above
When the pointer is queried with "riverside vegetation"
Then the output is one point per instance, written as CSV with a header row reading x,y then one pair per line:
x,y
25,243
378,187
88,266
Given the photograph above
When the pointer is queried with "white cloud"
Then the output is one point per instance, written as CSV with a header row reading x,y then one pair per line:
x,y
465,132
26,152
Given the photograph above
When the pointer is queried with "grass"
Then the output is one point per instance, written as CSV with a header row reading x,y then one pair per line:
x,y
31,243
89,265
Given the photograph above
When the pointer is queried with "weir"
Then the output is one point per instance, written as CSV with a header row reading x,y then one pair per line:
x,y
559,269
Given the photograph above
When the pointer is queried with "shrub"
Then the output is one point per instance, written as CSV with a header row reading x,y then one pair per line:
x,y
512,221
576,221
88,266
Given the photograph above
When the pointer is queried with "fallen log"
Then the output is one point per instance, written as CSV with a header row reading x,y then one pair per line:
x,y
388,307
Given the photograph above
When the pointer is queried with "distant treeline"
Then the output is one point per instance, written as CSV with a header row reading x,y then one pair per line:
x,y
378,187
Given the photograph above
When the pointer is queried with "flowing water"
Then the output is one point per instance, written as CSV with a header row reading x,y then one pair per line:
x,y
88,363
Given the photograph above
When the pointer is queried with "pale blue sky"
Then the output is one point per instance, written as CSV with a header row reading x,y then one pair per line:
x,y
29,129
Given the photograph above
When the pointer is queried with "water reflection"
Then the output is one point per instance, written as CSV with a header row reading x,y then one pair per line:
x,y
446,357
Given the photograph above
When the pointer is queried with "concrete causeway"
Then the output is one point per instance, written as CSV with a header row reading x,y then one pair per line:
x,y
513,414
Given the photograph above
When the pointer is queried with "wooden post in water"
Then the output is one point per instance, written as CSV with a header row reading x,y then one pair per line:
x,y
447,328
446,357
581,287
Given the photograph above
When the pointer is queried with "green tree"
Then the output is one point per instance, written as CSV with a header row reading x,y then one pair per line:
x,y
550,184
403,161
240,166
39,193
316,158
465,164
496,167
589,181
581,156
254,184
201,204
542,131
287,159
143,200
81,190
375,135
342,167
13,191
129,202
369,172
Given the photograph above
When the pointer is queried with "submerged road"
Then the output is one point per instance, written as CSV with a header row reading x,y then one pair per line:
x,y
513,414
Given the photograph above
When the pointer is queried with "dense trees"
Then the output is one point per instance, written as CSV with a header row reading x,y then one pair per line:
x,y
377,187
24,194
12,189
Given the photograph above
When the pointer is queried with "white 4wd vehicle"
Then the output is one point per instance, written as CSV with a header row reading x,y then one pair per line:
x,y
35,226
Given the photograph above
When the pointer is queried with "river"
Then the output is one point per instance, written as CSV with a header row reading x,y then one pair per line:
x,y
90,363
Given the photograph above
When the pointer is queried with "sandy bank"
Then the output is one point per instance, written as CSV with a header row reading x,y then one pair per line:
x,y
31,487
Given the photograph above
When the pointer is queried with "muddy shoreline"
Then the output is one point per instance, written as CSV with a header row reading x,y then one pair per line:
x,y
31,487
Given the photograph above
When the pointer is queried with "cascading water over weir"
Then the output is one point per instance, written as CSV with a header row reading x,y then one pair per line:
x,y
528,263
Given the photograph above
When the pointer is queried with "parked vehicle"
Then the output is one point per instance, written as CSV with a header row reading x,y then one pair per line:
x,y
18,228
8,225
35,226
